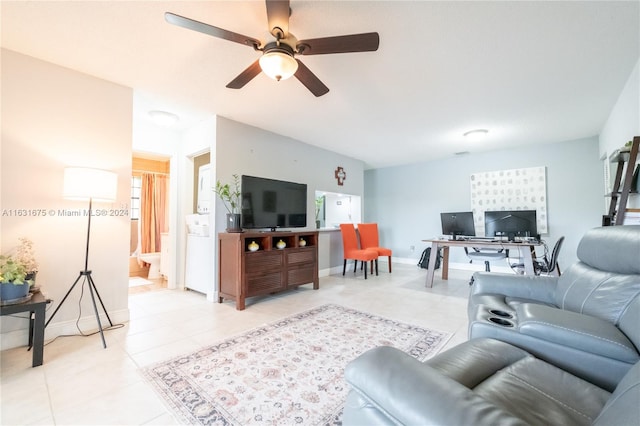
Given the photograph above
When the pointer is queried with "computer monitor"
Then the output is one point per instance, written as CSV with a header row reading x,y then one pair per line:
x,y
510,224
458,223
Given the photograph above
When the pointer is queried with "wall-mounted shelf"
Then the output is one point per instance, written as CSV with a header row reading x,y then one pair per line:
x,y
626,163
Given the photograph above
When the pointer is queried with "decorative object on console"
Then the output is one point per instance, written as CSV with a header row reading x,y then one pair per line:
x,y
253,246
81,183
247,379
302,242
281,244
231,197
340,175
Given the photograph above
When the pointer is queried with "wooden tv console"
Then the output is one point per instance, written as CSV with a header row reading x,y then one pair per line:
x,y
244,273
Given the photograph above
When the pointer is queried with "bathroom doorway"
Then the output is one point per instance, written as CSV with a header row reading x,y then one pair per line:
x,y
149,241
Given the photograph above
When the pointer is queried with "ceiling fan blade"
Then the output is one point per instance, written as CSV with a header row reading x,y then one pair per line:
x,y
278,17
201,27
245,76
309,80
366,42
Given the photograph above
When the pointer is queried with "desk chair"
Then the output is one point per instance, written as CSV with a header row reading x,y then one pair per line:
x,y
547,265
351,250
486,255
369,240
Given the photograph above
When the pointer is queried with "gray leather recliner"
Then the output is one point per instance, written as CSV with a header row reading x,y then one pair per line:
x,y
585,321
481,382
567,351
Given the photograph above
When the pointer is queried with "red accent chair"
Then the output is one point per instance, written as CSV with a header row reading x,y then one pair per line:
x,y
352,251
369,240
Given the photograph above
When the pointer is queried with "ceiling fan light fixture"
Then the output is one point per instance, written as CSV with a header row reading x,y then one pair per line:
x,y
163,118
278,62
476,135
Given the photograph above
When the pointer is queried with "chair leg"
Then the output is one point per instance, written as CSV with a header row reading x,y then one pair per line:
x,y
376,267
365,270
344,267
389,264
355,266
486,266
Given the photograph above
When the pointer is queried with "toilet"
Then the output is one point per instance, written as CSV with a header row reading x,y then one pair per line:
x,y
153,259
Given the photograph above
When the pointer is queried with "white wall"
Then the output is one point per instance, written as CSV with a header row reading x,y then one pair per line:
x,y
53,117
624,122
407,201
197,140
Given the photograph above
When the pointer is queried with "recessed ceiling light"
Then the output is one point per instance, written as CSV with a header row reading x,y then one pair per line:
x,y
476,135
163,118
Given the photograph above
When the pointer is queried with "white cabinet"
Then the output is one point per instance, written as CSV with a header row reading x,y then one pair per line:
x,y
199,264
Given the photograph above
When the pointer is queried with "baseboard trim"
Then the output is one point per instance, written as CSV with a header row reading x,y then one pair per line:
x,y
18,338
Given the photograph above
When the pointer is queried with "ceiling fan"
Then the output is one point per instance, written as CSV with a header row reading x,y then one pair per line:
x,y
278,57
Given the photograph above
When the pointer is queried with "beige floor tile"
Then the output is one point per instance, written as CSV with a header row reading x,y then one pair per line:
x,y
83,383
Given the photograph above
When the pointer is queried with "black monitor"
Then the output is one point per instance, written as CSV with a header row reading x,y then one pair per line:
x,y
458,223
510,224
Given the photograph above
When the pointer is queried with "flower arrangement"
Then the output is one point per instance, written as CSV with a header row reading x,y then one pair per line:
x,y
229,196
26,255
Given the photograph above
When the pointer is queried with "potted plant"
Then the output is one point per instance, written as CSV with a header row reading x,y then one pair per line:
x,y
230,196
14,285
319,205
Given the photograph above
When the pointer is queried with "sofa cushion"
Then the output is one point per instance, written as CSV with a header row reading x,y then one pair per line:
x,y
603,294
623,408
611,248
540,393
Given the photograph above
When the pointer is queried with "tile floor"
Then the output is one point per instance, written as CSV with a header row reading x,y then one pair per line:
x,y
81,383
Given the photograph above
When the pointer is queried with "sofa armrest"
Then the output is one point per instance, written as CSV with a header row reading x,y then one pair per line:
x,y
406,391
535,288
582,332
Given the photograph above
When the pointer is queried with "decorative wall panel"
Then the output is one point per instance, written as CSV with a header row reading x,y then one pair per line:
x,y
515,189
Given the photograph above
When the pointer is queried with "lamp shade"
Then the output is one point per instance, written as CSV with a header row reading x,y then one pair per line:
x,y
81,183
278,65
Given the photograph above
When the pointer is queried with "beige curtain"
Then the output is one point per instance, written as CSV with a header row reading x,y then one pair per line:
x,y
154,211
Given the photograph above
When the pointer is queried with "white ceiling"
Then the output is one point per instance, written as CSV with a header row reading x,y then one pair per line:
x,y
530,72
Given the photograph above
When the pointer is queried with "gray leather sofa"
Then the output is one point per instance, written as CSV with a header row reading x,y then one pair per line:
x,y
585,321
481,382
542,350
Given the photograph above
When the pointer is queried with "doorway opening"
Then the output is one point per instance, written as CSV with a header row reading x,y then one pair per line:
x,y
149,238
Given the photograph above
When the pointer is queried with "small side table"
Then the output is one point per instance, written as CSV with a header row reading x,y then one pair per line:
x,y
37,307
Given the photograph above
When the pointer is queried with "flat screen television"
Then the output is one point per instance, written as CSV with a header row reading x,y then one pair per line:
x,y
458,224
272,204
510,224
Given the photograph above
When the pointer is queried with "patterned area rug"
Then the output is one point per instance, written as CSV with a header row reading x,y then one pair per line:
x,y
284,373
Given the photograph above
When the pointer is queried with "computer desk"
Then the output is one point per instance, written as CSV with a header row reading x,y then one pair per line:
x,y
526,248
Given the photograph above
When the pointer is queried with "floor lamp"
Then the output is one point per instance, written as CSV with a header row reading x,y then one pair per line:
x,y
93,185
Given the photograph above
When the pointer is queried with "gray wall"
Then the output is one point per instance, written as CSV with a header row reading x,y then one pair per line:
x,y
243,149
406,201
